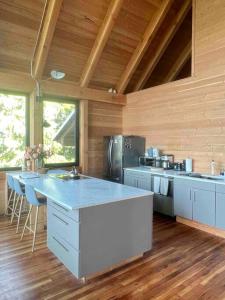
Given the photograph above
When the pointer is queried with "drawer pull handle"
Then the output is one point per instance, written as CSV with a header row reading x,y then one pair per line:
x,y
60,219
60,244
60,206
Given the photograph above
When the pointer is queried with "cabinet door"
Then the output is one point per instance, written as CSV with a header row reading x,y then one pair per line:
x,y
144,182
130,180
182,198
204,207
220,209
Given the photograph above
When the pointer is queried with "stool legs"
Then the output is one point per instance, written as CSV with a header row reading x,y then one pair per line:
x,y
8,203
27,219
35,228
29,228
15,202
20,210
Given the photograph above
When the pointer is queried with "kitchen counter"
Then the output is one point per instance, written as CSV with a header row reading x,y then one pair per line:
x,y
177,174
76,194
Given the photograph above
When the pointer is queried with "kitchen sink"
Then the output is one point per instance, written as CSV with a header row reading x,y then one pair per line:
x,y
202,176
68,176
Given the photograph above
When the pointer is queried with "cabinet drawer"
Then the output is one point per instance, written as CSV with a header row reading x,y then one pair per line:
x,y
220,188
137,173
65,253
63,226
73,214
197,184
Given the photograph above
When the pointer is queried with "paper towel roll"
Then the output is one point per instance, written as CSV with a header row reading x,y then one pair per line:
x,y
188,165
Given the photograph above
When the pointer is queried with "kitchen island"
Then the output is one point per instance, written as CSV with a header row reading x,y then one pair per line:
x,y
93,224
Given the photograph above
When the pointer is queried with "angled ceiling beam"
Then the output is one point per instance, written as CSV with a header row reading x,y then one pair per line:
x,y
179,63
100,42
172,29
142,46
45,37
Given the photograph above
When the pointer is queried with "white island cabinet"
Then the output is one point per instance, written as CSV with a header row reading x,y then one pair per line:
x,y
93,224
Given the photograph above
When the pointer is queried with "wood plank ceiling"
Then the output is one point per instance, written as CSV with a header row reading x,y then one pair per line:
x,y
123,44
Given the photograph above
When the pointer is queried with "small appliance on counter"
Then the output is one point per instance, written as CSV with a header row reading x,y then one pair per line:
x,y
167,161
178,166
188,165
145,161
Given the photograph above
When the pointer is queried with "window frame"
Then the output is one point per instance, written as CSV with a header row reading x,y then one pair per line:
x,y
68,100
27,122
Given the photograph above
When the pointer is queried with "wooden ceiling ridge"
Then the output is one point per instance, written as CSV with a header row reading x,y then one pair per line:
x,y
179,63
45,37
148,36
100,42
171,31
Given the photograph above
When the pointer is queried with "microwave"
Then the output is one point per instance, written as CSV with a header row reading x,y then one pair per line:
x,y
147,161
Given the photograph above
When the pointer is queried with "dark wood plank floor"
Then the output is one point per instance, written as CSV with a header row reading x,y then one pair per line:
x,y
184,264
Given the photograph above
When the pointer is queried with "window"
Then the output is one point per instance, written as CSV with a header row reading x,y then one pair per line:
x,y
13,129
61,131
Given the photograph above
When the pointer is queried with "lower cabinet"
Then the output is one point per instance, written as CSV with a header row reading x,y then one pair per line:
x,y
182,199
137,179
220,209
204,208
195,200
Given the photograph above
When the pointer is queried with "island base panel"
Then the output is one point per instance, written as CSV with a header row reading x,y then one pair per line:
x,y
109,234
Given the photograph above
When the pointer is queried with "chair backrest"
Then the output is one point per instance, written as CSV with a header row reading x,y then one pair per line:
x,y
57,171
17,186
31,195
10,182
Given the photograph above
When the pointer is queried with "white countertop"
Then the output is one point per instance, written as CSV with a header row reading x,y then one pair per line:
x,y
177,174
75,194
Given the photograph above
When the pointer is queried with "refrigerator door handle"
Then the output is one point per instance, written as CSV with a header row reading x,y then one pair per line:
x,y
110,155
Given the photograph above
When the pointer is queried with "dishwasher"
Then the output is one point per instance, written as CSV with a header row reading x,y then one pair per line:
x,y
164,204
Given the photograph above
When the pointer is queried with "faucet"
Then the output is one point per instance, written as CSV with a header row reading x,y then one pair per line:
x,y
74,171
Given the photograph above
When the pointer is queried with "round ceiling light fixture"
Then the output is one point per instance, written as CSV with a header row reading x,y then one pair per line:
x,y
57,74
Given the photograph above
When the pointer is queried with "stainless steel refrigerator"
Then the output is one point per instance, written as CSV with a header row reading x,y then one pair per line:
x,y
121,152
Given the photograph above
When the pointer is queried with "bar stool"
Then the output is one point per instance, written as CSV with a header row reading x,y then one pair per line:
x,y
12,199
20,195
34,201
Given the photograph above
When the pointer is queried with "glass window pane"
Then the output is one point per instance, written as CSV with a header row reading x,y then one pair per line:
x,y
59,131
12,130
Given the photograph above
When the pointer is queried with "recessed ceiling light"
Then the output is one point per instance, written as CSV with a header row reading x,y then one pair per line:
x,y
57,74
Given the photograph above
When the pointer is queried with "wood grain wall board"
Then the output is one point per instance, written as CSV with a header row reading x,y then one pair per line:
x,y
184,117
210,39
103,120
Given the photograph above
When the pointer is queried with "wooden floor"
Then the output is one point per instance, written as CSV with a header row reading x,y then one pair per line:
x,y
184,264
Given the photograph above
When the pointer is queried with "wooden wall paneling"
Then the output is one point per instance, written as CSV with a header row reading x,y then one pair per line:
x,y
184,117
45,37
142,46
84,136
209,38
103,120
101,40
36,120
172,29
